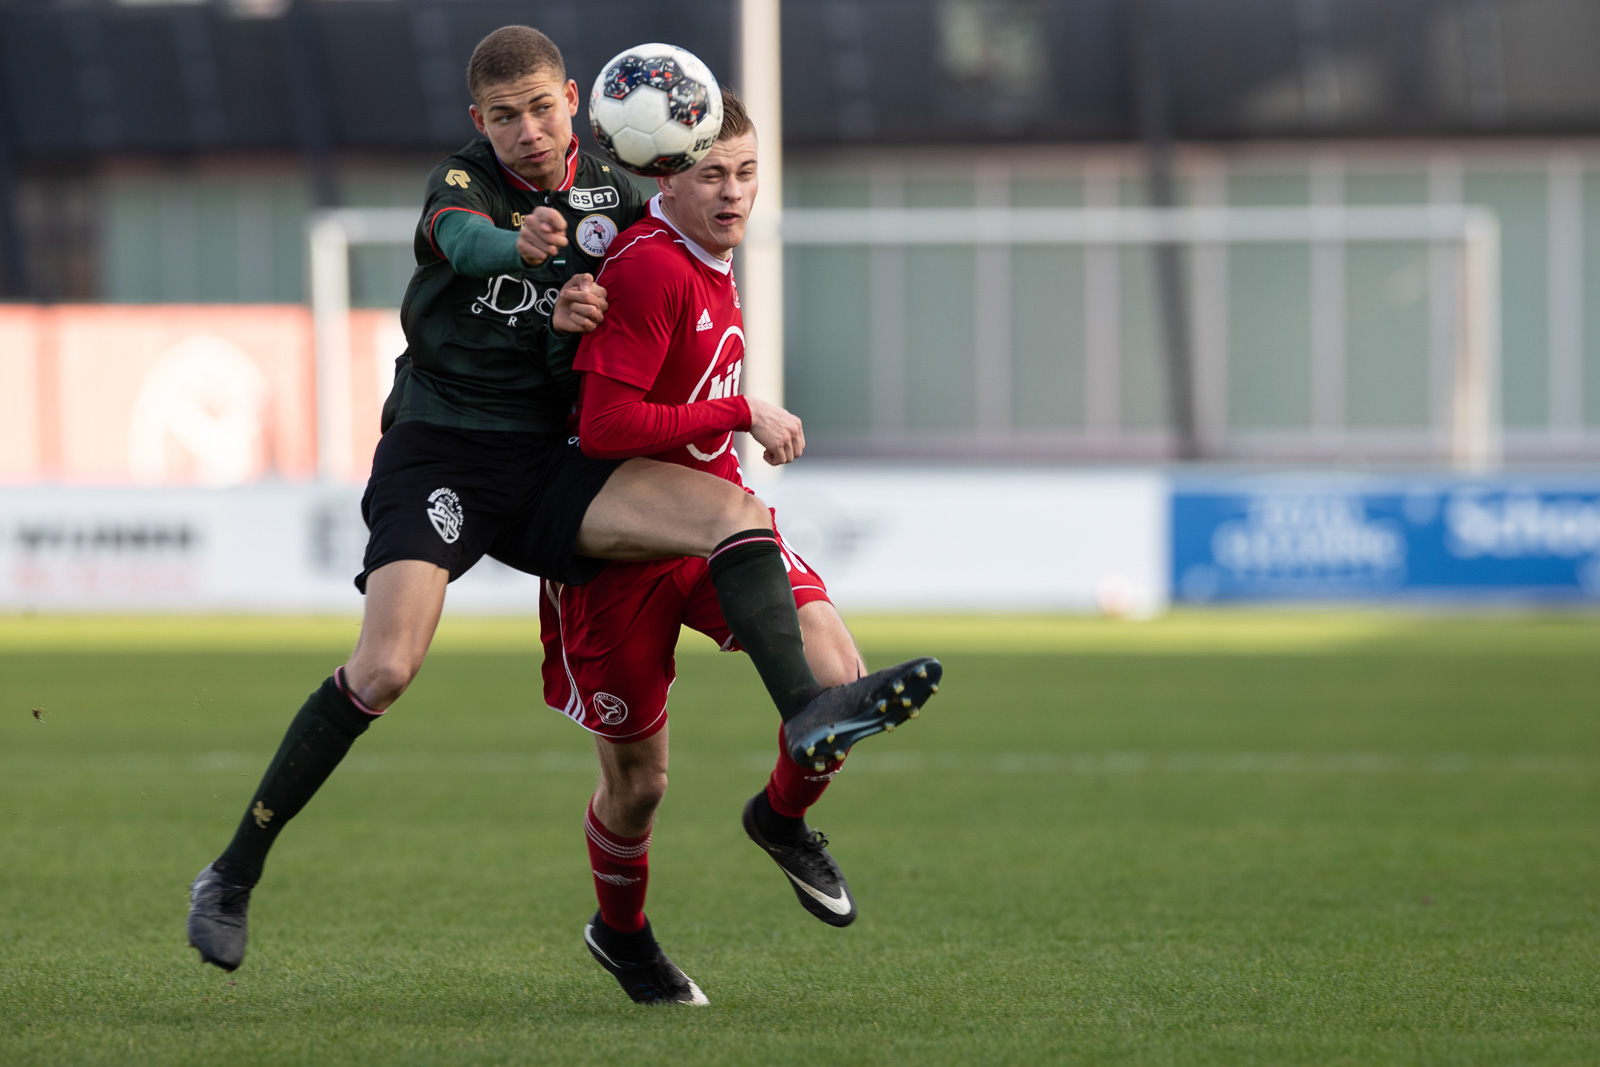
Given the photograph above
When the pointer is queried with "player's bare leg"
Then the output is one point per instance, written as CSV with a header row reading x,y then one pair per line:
x,y
652,510
648,510
830,649
775,817
403,603
633,779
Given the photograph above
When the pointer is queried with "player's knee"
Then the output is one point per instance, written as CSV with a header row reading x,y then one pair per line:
x,y
385,678
739,512
643,792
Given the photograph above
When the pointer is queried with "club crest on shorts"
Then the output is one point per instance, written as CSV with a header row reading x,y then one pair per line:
x,y
612,709
595,234
444,511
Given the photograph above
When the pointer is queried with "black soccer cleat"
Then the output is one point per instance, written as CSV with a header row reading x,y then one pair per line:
x,y
219,903
656,980
816,879
839,717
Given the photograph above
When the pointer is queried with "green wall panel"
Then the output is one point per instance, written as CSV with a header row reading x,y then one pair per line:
x,y
941,376
1386,320
827,372
1269,315
1591,293
1520,201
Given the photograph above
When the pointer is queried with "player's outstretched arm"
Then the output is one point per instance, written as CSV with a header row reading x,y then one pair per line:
x,y
617,422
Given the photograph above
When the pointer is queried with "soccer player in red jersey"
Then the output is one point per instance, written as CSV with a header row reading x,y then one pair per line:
x,y
661,379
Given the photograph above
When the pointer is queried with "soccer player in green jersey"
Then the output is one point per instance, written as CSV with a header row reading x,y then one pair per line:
x,y
475,458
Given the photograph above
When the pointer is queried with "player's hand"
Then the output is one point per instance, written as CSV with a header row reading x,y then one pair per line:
x,y
779,432
581,305
543,234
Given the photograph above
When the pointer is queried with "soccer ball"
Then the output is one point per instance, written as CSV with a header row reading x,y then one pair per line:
x,y
656,109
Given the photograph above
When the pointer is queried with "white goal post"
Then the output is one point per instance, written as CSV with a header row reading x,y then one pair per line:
x,y
1474,422
331,235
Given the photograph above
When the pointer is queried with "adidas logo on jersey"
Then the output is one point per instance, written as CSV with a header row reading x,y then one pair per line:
x,y
705,320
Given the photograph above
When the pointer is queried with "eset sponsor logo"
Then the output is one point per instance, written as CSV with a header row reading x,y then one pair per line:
x,y
595,199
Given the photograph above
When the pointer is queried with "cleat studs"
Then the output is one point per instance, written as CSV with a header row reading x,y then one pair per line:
x,y
888,727
899,687
914,713
819,765
812,751
839,753
922,672
883,706
830,739
934,688
905,702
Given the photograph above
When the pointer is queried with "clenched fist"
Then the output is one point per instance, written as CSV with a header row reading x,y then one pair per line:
x,y
781,437
543,234
581,305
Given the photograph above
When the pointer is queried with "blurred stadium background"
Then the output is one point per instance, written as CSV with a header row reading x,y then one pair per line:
x,y
1115,259
1089,306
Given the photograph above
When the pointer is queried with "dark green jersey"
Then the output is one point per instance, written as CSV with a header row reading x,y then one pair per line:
x,y
479,351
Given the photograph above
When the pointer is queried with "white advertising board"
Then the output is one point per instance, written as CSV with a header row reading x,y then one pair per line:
x,y
885,539
922,538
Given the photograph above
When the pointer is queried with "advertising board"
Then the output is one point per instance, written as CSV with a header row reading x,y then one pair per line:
x,y
1324,537
889,539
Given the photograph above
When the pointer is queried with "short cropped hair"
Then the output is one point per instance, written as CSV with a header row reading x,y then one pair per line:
x,y
510,53
735,119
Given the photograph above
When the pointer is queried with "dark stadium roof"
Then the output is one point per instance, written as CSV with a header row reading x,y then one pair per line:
x,y
92,77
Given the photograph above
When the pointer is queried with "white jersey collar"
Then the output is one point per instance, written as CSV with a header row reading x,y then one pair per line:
x,y
722,266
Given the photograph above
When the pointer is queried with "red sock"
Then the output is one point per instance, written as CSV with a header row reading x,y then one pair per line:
x,y
621,868
793,788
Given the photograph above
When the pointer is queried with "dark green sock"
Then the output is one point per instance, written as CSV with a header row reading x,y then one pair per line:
x,y
318,738
758,605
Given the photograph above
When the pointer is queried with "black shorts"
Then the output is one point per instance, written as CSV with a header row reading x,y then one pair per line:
x,y
451,497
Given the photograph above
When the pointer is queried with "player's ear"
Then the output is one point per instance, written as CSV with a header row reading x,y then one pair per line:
x,y
477,119
664,183
571,94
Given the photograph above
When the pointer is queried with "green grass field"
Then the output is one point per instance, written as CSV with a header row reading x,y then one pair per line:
x,y
1211,839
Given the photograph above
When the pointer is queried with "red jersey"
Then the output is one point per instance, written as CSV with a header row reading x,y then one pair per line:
x,y
674,329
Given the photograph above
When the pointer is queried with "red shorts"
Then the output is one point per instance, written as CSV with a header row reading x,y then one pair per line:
x,y
608,644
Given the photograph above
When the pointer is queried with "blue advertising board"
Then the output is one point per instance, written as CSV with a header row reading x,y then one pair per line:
x,y
1321,537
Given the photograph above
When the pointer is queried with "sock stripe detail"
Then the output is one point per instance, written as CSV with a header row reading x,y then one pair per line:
x,y
610,845
726,545
349,694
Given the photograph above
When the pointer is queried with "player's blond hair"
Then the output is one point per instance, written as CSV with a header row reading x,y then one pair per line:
x,y
735,119
510,53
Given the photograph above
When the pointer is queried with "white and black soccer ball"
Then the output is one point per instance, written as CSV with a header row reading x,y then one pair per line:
x,y
656,109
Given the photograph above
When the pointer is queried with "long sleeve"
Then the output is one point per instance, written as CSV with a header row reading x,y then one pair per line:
x,y
616,421
474,245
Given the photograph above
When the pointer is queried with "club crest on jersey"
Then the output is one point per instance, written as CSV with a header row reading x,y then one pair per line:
x,y
705,321
595,234
612,709
595,199
444,511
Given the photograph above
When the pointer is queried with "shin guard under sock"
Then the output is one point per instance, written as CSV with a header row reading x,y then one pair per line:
x,y
621,867
758,605
792,789
327,724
